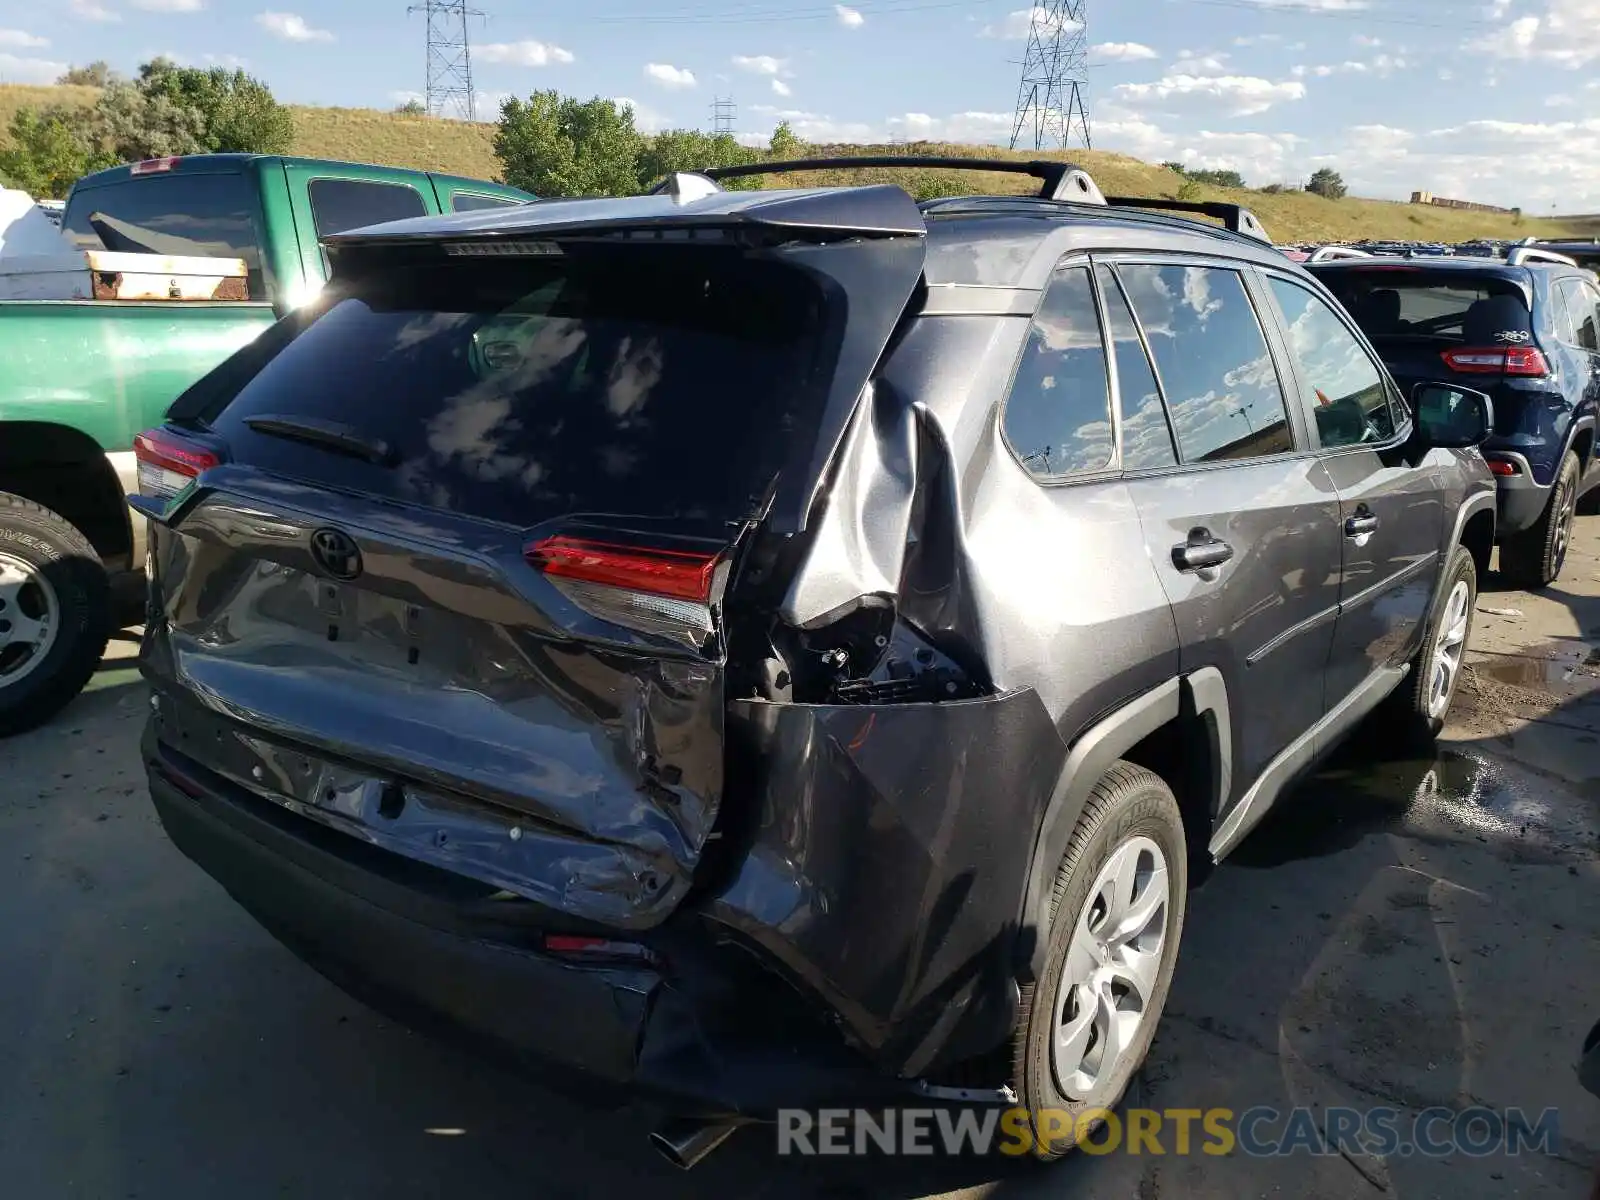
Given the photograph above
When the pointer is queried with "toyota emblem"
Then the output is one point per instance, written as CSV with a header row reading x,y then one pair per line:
x,y
336,552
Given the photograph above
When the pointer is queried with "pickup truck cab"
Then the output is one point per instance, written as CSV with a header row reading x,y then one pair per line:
x,y
82,377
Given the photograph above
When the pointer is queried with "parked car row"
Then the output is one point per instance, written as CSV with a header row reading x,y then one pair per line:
x,y
798,644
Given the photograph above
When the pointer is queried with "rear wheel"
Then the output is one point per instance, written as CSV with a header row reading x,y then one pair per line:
x,y
1534,557
55,613
1116,917
1424,699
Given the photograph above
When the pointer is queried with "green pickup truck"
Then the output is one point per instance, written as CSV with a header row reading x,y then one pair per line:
x,y
80,378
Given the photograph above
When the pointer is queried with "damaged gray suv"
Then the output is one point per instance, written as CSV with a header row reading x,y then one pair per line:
x,y
763,649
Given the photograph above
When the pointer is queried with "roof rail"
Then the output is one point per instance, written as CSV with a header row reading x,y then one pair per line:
x,y
1528,254
1236,217
1329,253
1058,180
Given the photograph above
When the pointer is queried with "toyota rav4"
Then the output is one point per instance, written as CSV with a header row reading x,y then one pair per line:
x,y
788,647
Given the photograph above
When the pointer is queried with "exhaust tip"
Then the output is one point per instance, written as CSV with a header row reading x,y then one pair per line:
x,y
683,1143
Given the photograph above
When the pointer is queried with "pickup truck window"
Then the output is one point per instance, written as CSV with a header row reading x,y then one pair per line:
x,y
472,201
341,204
208,215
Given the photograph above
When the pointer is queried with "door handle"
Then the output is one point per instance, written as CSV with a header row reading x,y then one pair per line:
x,y
1201,551
1364,522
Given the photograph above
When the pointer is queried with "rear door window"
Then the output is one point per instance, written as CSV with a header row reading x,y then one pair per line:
x,y
210,216
338,205
1350,397
1146,436
1221,386
1451,307
473,201
1058,415
625,381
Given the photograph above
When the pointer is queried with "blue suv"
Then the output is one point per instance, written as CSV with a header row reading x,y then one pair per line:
x,y
1526,331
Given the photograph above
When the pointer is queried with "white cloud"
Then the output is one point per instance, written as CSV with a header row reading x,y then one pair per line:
x,y
1381,65
89,10
169,6
761,64
1122,52
849,17
1236,95
1362,39
527,53
15,69
21,39
1317,5
1191,63
291,28
669,76
1565,33
1020,22
780,88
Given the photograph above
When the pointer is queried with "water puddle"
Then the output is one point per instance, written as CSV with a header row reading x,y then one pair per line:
x,y
1451,796
1557,667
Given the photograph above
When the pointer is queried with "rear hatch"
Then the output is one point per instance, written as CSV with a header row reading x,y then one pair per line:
x,y
444,563
1434,324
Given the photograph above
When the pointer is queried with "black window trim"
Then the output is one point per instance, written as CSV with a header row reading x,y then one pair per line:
x,y
1116,376
311,198
1113,469
1303,389
1268,320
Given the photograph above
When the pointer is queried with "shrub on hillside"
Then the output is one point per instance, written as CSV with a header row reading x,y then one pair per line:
x,y
555,145
688,149
1326,182
238,112
96,74
51,148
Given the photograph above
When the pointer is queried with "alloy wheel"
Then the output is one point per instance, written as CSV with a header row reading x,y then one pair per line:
x,y
1448,650
30,619
1109,977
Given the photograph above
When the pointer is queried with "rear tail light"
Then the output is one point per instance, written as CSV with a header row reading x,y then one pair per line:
x,y
168,463
579,946
1500,466
665,592
1496,360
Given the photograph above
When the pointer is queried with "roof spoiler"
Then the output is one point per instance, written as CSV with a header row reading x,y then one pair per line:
x,y
1236,218
1058,180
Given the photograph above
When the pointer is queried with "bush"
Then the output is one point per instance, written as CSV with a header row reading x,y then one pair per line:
x,y
688,150
1326,182
412,108
51,148
238,112
96,74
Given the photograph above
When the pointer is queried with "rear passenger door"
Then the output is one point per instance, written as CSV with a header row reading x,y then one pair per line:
x,y
1581,300
1392,512
1241,523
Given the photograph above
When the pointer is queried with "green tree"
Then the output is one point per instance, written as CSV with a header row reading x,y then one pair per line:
x,y
690,150
785,144
97,74
1326,182
129,124
51,148
555,145
412,108
1176,168
238,111
1220,178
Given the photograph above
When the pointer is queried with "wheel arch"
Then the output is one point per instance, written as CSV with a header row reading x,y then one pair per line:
x,y
1182,731
66,471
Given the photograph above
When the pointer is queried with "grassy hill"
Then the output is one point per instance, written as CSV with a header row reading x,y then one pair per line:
x,y
461,148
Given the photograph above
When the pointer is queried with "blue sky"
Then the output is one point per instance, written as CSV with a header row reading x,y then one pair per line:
x,y
1489,100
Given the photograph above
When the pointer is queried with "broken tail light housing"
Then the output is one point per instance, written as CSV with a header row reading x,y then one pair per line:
x,y
169,463
1503,467
1524,361
664,592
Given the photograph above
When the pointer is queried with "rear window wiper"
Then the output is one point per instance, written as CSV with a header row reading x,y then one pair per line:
x,y
329,435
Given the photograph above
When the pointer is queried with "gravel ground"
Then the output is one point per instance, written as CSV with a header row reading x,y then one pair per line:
x,y
1400,932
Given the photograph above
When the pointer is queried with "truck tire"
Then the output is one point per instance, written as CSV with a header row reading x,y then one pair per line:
x,y
1533,558
55,613
1111,943
1422,702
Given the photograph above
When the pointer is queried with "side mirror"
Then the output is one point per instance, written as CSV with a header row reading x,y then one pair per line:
x,y
1451,417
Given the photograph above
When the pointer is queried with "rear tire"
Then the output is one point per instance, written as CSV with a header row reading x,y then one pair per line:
x,y
1423,700
1102,992
1533,558
55,613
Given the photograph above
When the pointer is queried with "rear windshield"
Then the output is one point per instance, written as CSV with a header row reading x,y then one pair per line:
x,y
644,382
1448,306
212,216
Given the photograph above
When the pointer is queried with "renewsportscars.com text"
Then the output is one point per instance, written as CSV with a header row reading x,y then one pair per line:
x,y
1261,1131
